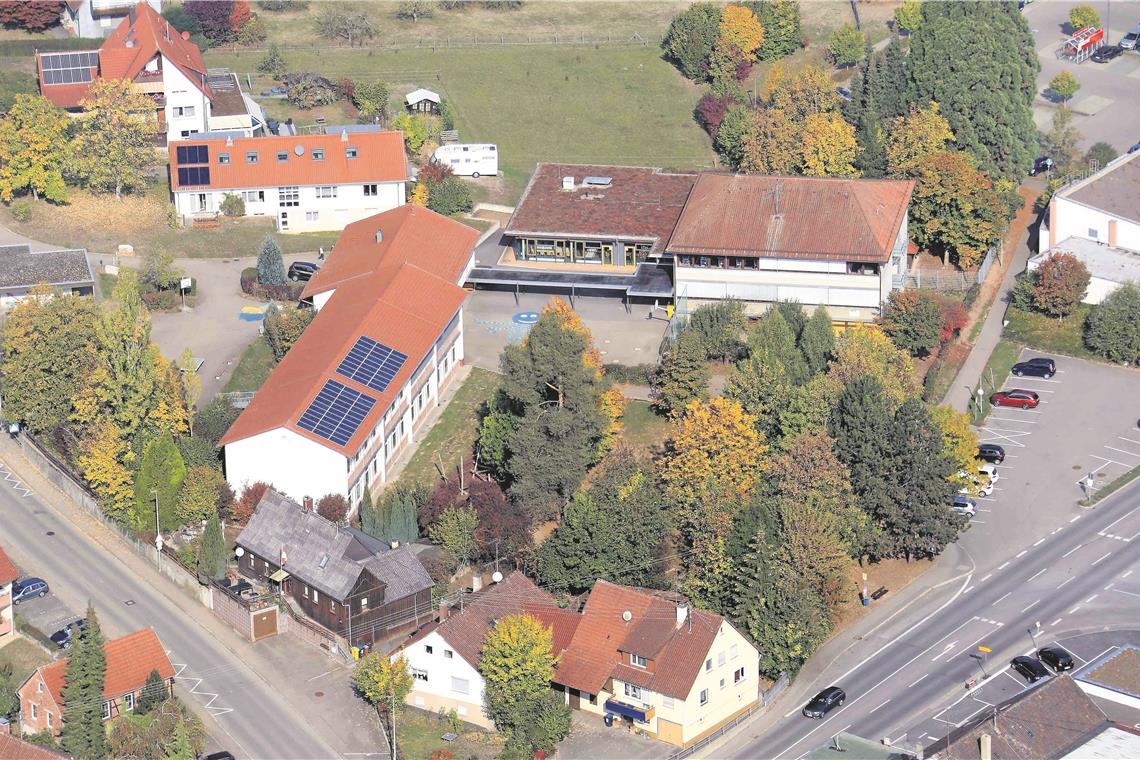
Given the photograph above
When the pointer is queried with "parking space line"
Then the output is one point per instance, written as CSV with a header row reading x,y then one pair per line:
x,y
1102,559
1128,439
1020,422
1015,679
1077,518
1107,461
1129,593
1122,451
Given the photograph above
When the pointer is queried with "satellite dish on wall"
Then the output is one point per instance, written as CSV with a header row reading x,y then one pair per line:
x,y
627,616
299,150
496,576
239,552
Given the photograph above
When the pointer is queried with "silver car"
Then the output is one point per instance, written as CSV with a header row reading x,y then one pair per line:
x,y
1128,41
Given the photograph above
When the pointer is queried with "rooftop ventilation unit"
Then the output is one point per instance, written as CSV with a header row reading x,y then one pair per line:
x,y
598,181
324,561
379,236
567,183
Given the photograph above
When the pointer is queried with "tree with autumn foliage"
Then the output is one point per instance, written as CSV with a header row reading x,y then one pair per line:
x,y
30,16
34,149
220,20
959,441
740,28
913,138
804,93
955,210
105,461
113,148
771,143
557,414
828,146
866,352
383,680
419,195
1060,283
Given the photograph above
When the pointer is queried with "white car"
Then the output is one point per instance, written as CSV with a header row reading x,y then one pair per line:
x,y
989,470
980,488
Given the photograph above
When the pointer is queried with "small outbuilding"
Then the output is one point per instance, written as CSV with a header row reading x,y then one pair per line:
x,y
422,101
21,269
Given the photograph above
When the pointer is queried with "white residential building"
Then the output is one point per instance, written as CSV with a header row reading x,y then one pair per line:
x,y
355,390
97,18
306,182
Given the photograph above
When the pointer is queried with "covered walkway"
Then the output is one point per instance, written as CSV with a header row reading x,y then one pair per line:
x,y
652,279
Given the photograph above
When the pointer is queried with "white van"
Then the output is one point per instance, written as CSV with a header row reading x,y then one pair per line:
x,y
470,159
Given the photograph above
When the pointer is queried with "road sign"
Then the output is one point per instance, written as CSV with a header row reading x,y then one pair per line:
x,y
987,650
186,283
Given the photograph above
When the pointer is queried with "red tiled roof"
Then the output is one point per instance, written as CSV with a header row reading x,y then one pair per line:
x,y
465,630
12,748
792,217
400,291
562,622
640,204
150,34
129,661
678,651
8,571
380,158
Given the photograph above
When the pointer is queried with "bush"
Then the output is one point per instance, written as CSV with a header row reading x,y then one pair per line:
x,y
283,328
308,90
246,504
22,211
1082,16
212,421
162,300
1102,153
283,5
720,326
233,205
639,374
1113,326
913,320
691,37
248,280
447,113
1061,284
847,45
1021,294
710,111
450,196
270,264
333,507
273,63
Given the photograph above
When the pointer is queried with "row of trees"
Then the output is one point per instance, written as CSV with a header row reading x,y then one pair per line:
x,y
111,149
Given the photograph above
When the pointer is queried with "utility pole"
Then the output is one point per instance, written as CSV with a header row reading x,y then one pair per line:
x,y
157,530
392,710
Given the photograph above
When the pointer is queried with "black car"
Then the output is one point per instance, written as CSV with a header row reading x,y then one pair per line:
x,y
1040,366
63,637
1106,53
991,452
223,755
824,702
1030,667
1041,165
1056,658
302,271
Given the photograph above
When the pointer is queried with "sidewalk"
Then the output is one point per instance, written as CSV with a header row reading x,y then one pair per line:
x,y
967,379
858,643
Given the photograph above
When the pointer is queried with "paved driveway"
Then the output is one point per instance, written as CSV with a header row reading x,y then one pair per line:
x,y
1106,105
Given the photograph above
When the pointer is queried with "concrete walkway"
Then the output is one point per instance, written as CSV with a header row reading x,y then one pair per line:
x,y
968,377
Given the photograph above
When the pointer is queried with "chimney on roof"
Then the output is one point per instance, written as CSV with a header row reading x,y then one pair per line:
x,y
984,747
186,35
444,611
307,503
230,141
379,236
344,135
682,614
166,31
567,183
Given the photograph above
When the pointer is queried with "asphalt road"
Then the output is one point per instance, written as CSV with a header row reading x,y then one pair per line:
x,y
241,710
1077,578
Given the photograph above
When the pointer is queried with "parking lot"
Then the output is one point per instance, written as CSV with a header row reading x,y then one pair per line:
x,y
1106,107
1085,423
48,613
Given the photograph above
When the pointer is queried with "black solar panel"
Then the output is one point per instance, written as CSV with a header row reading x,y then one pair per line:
x,y
193,175
372,364
336,412
192,154
68,68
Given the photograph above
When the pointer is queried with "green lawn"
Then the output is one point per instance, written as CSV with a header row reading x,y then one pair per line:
x,y
453,435
107,284
605,105
418,735
997,369
253,369
24,656
642,427
1048,334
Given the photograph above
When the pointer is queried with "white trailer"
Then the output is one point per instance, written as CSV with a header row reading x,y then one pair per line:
x,y
469,159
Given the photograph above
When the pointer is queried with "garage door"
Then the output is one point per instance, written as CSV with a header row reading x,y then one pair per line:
x,y
264,624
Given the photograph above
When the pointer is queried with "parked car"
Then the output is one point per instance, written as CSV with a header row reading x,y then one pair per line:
x,y
824,702
844,93
1016,397
27,588
223,755
978,487
1128,41
1056,658
1038,366
1042,165
64,636
1029,667
302,271
964,505
989,471
1106,53
991,452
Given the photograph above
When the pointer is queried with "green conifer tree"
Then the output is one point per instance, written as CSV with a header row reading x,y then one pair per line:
x,y
270,264
683,374
818,340
83,733
213,556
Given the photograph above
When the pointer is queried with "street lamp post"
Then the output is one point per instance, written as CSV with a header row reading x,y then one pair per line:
x,y
1036,629
157,529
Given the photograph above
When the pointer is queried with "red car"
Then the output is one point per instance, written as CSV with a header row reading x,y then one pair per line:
x,y
1016,397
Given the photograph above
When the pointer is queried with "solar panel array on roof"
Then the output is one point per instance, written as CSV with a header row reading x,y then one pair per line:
x,y
371,363
336,412
68,68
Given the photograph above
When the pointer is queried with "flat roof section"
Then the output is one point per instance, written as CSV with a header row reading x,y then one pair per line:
x,y
652,279
1115,189
1104,262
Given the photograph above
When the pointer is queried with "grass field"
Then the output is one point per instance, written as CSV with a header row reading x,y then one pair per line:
x,y
419,735
643,428
606,105
1048,334
23,656
253,369
453,435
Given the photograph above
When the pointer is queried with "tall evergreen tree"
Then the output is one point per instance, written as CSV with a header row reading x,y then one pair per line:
x,y
817,343
921,524
394,516
160,476
794,316
153,693
889,82
772,340
864,116
978,61
863,429
683,374
270,264
761,387
213,556
83,733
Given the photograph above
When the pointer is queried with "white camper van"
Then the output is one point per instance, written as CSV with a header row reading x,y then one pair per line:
x,y
469,159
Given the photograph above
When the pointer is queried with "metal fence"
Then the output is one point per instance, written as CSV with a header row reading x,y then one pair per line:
x,y
946,281
554,39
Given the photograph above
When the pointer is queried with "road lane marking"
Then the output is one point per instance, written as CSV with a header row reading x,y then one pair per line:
x,y
1058,620
1021,554
1003,566
1126,574
1027,609
1074,609
1037,574
1102,559
876,708
1077,518
949,647
1129,593
916,683
1066,582
1039,542
1121,518
1066,554
985,578
1003,596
